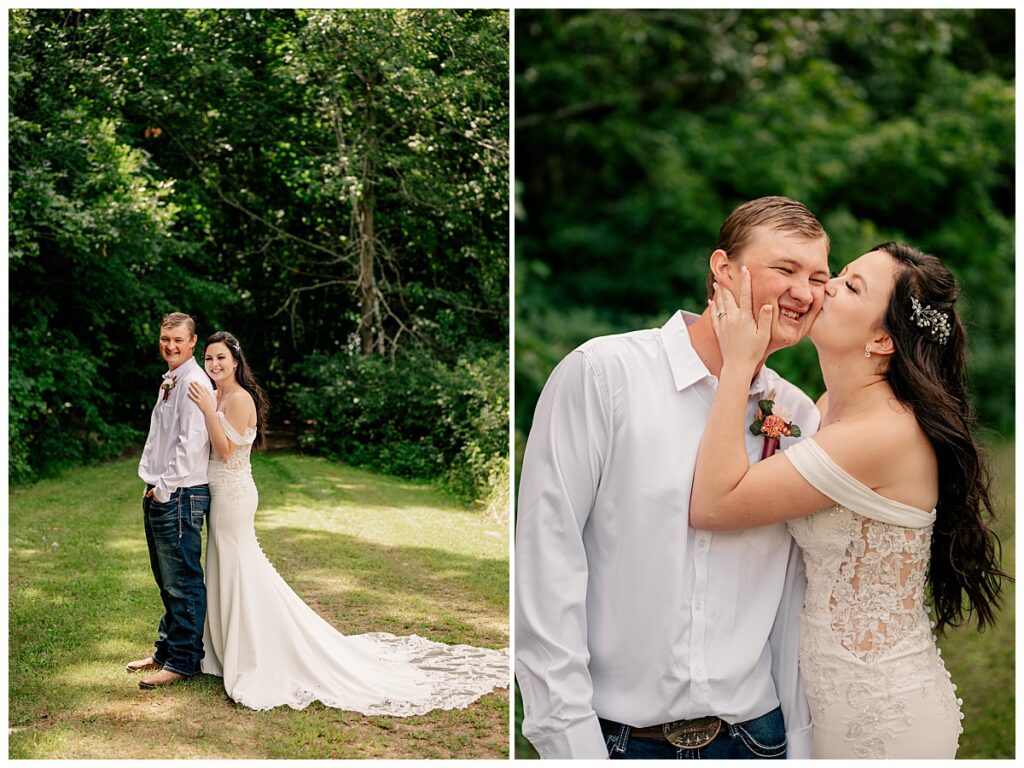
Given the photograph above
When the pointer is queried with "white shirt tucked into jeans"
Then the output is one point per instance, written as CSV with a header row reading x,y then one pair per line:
x,y
622,610
178,446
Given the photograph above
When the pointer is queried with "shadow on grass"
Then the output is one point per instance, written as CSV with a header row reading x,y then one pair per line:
x,y
83,602
323,481
398,589
67,616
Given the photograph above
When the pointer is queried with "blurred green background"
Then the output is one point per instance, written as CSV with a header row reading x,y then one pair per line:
x,y
637,132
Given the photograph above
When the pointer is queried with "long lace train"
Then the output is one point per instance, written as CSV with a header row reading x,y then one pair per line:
x,y
274,650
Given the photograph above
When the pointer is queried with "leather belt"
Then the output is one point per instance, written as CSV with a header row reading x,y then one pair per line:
x,y
688,734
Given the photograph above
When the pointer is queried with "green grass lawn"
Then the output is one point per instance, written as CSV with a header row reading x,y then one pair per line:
x,y
981,663
368,552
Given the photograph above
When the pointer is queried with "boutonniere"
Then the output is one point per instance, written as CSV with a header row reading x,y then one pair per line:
x,y
772,422
168,385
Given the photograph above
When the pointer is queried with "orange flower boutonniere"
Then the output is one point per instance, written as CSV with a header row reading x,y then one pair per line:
x,y
771,422
168,385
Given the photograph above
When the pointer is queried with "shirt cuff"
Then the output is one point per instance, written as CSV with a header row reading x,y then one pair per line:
x,y
580,740
798,743
161,496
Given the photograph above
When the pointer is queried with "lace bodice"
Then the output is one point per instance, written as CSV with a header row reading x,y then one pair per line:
x,y
866,646
235,471
866,557
867,578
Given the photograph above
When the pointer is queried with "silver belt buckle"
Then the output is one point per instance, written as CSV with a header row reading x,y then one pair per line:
x,y
692,734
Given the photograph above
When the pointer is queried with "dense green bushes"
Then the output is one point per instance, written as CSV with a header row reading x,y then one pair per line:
x,y
302,178
92,265
413,416
56,409
639,131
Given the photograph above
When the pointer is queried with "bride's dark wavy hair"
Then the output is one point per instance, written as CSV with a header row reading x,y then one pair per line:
x,y
929,375
244,377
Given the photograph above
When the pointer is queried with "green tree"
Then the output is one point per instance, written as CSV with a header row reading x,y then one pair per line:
x,y
639,131
92,258
319,182
408,126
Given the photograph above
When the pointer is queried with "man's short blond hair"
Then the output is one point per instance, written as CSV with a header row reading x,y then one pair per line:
x,y
175,319
778,213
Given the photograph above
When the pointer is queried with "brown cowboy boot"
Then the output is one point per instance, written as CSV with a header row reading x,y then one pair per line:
x,y
163,677
143,664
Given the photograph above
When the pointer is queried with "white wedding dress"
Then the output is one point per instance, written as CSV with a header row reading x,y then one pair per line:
x,y
272,649
873,676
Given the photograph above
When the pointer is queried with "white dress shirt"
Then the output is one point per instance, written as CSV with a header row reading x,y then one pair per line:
x,y
623,610
178,446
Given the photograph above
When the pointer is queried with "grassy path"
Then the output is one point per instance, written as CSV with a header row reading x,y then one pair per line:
x,y
368,552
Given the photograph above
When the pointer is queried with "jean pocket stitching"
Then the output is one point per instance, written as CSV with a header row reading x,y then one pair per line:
x,y
196,515
616,744
612,745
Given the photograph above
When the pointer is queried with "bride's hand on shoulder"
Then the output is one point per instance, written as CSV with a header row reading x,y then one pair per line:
x,y
742,337
202,397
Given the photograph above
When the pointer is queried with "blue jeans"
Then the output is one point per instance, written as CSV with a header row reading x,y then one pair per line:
x,y
174,533
762,737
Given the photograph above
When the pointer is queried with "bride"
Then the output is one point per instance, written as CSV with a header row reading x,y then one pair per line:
x,y
269,646
885,500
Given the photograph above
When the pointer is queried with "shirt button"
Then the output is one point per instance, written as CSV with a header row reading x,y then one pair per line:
x,y
702,543
698,606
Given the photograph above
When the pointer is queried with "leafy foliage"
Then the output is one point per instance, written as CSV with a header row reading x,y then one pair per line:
x,y
639,131
91,255
242,166
412,416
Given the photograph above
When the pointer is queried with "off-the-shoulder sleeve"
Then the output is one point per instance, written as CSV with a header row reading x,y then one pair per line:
x,y
818,468
232,433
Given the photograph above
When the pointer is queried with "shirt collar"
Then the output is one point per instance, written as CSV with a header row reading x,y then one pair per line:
x,y
687,367
183,368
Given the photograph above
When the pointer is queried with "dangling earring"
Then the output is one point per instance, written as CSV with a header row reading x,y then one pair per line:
x,y
867,350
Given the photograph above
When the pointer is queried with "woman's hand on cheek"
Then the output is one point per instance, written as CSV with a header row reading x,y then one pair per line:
x,y
742,339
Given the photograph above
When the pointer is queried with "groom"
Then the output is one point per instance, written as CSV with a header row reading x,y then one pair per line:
x,y
636,635
176,500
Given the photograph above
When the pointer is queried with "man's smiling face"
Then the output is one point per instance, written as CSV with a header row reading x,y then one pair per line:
x,y
788,271
176,344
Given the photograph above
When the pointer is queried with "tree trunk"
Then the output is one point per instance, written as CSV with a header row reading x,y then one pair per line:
x,y
369,301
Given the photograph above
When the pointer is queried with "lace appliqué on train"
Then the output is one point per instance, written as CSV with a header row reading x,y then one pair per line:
x,y
454,676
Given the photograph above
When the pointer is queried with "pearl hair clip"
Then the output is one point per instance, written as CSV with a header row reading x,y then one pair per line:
x,y
933,319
